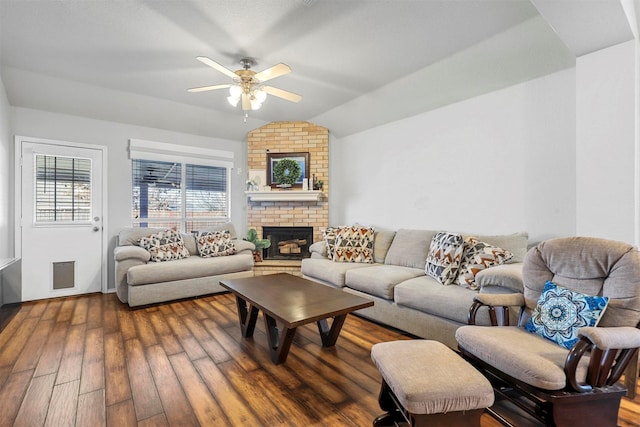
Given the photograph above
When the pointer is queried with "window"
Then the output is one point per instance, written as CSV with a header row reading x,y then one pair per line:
x,y
189,194
63,189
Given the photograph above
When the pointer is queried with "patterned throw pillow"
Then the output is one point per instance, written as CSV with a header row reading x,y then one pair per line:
x,y
329,237
354,244
477,256
560,312
444,257
215,243
166,245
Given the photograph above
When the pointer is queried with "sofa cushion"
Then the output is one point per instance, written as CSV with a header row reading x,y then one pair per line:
x,y
528,357
410,248
478,256
560,312
381,243
426,294
166,245
380,280
131,236
515,243
215,243
354,244
445,254
190,243
328,271
188,268
450,384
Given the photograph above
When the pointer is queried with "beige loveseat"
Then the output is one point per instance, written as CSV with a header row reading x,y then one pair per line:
x,y
405,297
140,281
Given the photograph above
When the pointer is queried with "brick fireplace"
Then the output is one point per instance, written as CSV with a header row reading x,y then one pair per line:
x,y
290,137
288,242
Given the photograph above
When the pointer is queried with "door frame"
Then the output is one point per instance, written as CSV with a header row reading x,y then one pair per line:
x,y
18,197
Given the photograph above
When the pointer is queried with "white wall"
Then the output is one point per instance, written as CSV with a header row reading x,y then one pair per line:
x,y
498,163
6,171
115,136
606,143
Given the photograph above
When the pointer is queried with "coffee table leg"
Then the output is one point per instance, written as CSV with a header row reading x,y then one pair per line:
x,y
279,344
247,317
328,335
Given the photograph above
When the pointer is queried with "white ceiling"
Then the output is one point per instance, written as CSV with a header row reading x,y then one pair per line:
x,y
357,63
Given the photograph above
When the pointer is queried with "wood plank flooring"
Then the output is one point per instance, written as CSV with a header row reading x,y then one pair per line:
x,y
91,361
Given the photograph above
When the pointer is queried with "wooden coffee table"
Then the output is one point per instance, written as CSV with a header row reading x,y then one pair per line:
x,y
291,301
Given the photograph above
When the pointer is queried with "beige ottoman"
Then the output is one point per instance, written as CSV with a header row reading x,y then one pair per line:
x,y
427,383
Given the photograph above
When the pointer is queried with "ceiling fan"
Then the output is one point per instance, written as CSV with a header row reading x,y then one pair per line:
x,y
248,85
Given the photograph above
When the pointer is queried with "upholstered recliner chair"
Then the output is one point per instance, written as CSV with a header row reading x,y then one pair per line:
x,y
567,282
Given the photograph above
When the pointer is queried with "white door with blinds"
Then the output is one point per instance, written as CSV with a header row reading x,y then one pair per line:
x,y
60,234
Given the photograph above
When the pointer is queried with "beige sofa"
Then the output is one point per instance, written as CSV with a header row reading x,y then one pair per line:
x,y
405,297
141,282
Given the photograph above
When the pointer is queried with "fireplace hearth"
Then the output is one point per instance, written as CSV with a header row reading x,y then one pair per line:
x,y
287,242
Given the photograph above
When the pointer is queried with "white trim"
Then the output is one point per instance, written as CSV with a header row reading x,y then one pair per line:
x,y
161,151
284,196
18,196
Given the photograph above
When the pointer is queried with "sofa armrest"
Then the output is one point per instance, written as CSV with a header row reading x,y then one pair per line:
x,y
501,278
318,250
243,245
612,338
610,350
122,253
125,258
502,301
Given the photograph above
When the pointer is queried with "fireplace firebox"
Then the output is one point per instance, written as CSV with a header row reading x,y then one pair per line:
x,y
287,242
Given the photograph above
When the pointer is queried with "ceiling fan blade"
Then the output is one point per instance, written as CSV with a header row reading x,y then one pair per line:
x,y
289,96
213,64
206,88
273,72
246,102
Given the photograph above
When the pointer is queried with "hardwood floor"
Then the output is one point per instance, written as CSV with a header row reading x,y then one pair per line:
x,y
90,361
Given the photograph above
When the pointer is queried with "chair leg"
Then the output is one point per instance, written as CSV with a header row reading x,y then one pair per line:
x,y
631,376
392,416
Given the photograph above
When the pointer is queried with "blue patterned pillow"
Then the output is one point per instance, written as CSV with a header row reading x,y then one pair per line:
x,y
560,312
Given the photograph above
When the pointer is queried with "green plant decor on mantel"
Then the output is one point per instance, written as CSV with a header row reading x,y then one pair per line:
x,y
286,172
252,236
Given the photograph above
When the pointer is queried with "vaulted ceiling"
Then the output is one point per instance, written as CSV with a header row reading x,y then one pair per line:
x,y
356,63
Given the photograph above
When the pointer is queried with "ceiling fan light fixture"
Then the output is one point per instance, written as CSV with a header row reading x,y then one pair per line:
x,y
255,104
260,95
233,100
235,91
247,88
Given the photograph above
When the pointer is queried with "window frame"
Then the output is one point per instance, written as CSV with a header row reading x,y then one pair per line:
x,y
184,155
55,222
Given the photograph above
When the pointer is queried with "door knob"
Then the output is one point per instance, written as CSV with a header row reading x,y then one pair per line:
x,y
96,228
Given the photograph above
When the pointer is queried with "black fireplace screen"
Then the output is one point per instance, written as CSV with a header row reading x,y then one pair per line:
x,y
287,242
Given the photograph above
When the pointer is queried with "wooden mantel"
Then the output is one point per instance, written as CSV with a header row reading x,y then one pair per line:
x,y
284,196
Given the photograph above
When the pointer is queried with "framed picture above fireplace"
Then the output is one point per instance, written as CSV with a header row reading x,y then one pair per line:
x,y
301,158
